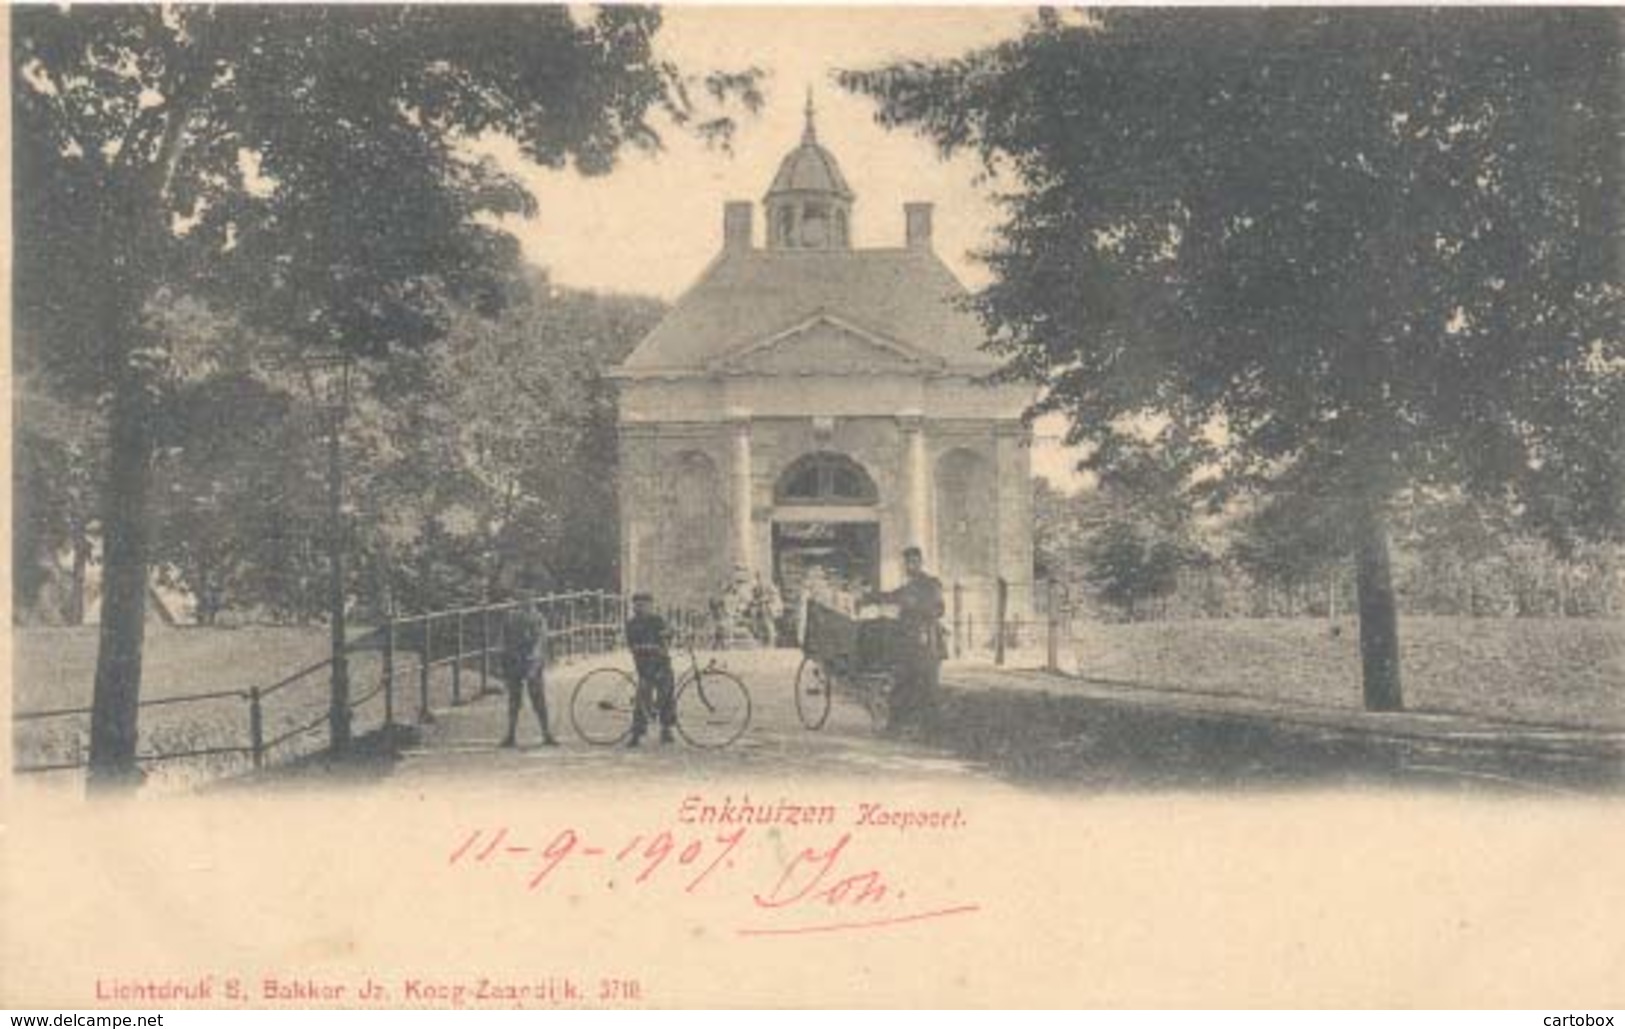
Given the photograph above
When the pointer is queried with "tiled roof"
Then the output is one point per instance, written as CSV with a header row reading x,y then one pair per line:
x,y
746,296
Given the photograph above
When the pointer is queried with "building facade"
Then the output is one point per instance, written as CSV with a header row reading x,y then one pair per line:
x,y
810,405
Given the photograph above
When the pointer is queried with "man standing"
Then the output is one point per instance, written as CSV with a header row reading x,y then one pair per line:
x,y
917,662
649,639
766,609
524,660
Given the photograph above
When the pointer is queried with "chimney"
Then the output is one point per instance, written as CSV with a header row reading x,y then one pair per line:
x,y
736,225
918,218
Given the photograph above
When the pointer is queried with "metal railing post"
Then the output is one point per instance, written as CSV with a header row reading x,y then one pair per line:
x,y
600,622
485,650
1000,600
389,672
457,665
1052,656
569,628
424,650
256,727
502,631
959,606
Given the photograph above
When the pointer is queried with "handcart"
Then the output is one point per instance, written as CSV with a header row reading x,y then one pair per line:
x,y
846,653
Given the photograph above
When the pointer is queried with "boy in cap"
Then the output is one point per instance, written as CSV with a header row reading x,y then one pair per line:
x,y
648,637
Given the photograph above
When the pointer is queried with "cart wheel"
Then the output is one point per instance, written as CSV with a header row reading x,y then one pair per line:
x,y
601,706
813,690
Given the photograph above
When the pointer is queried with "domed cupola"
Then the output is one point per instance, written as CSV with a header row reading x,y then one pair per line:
x,y
809,205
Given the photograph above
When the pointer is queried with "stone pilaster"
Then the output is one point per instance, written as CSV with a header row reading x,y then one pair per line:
x,y
917,483
637,490
742,495
1013,532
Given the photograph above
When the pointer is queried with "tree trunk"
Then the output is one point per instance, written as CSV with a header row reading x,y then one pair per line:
x,y
338,716
426,598
1379,617
117,694
383,570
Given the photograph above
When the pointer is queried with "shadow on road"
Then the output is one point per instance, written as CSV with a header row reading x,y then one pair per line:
x,y
1043,740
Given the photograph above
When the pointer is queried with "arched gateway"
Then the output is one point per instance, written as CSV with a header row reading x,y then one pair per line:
x,y
826,521
810,404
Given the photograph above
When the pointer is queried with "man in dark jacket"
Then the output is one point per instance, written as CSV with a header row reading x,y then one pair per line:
x,y
648,637
917,660
524,663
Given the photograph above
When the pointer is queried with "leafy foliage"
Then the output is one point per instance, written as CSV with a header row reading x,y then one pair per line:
x,y
303,169
56,502
492,462
1350,252
1130,538
1372,248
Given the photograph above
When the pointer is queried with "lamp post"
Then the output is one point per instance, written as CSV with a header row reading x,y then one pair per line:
x,y
327,376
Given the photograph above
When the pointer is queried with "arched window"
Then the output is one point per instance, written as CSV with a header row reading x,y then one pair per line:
x,y
815,231
826,478
966,503
784,230
840,228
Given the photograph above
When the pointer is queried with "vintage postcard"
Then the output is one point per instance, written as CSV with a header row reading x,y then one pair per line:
x,y
557,507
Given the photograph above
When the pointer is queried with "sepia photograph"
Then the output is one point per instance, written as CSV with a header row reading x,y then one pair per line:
x,y
533,506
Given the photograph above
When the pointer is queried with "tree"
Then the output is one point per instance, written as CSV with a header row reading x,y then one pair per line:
x,y
1133,532
488,460
1145,532
306,164
1128,566
536,421
1355,251
1058,532
56,500
236,468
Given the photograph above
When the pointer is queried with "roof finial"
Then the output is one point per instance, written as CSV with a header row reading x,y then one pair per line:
x,y
810,133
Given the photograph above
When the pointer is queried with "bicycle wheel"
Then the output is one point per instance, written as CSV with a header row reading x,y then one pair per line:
x,y
601,706
814,691
713,708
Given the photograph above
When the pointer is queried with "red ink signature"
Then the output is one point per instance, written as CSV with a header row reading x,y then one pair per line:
x,y
812,880
821,880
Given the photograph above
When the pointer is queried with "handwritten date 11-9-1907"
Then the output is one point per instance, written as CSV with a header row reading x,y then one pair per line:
x,y
825,879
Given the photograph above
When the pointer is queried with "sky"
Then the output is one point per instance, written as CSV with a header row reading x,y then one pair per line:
x,y
653,224
668,206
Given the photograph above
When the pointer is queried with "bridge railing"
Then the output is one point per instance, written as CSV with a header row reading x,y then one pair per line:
x,y
408,668
462,646
215,732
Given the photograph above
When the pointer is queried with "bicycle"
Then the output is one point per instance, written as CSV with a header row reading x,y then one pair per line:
x,y
712,705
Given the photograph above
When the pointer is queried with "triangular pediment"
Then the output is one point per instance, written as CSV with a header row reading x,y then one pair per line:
x,y
827,344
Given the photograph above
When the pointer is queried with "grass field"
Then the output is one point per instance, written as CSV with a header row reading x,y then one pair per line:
x,y
1562,671
55,668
